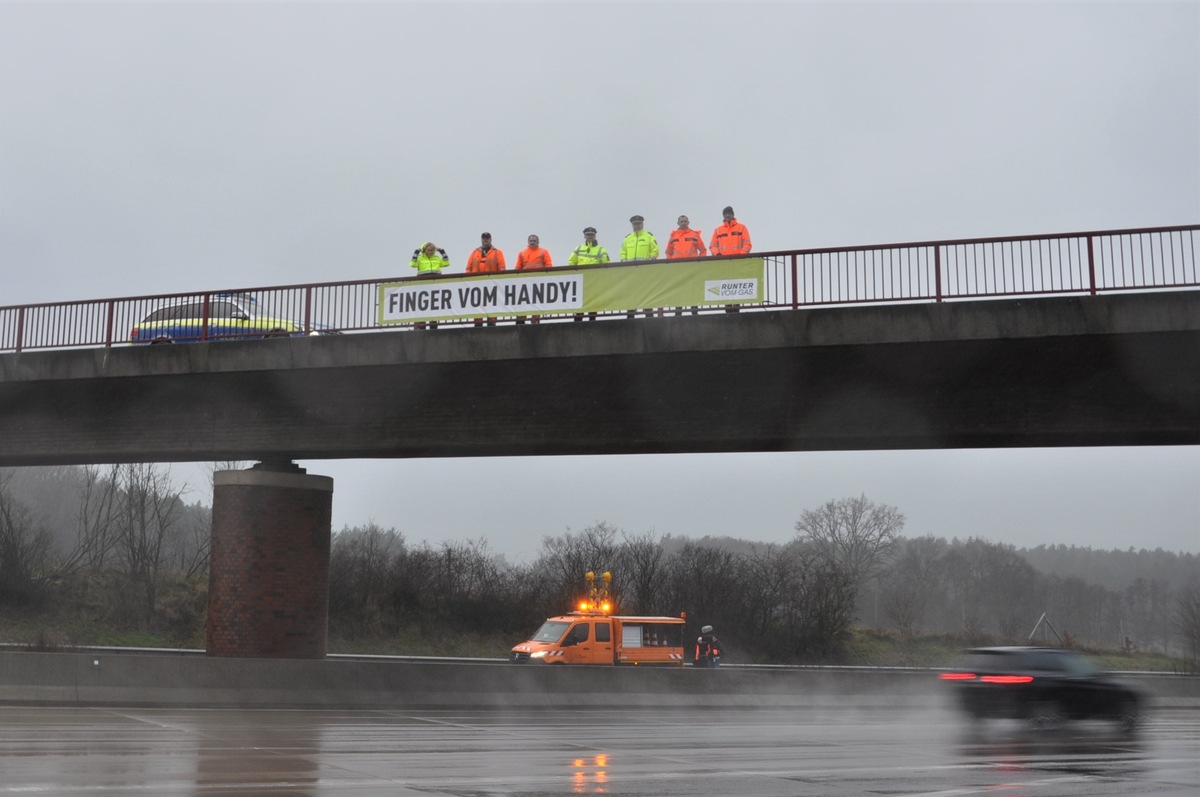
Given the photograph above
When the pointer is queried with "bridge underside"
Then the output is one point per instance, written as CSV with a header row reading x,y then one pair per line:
x,y
1067,371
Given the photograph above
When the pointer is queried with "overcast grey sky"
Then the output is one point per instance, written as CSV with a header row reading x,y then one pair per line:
x,y
166,147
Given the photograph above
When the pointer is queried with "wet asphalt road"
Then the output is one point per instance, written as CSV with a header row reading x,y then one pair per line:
x,y
781,753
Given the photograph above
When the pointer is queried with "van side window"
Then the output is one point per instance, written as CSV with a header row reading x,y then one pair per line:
x,y
578,634
603,632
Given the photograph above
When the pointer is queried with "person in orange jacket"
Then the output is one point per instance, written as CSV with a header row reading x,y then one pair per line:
x,y
485,259
533,257
686,242
731,237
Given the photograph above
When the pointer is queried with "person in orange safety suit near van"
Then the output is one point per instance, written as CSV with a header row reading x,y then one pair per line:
x,y
533,257
708,649
485,259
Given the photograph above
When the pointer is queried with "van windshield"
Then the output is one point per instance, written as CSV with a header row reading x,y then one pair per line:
x,y
551,631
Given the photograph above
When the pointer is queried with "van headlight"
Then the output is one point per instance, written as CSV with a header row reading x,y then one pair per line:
x,y
541,654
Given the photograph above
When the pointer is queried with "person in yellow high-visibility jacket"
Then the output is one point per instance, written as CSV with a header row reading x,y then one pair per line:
x,y
588,253
639,245
429,261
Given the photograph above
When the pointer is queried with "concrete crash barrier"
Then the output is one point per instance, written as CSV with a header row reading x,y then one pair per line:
x,y
189,680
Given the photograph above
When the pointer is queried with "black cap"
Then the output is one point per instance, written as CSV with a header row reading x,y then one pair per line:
x,y
636,218
485,235
589,229
728,210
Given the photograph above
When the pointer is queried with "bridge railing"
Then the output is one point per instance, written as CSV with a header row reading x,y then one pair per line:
x,y
930,271
1079,263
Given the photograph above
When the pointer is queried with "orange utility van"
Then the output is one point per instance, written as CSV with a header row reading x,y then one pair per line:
x,y
592,636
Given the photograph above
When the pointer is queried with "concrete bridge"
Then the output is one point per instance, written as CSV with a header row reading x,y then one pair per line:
x,y
1118,369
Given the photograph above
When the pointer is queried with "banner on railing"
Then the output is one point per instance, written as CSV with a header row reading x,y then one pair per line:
x,y
604,289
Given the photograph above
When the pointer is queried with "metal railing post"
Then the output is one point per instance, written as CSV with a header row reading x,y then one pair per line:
x,y
20,329
204,321
937,272
108,325
795,283
308,309
1091,267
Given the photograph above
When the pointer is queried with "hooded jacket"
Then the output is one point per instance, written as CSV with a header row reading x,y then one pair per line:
x,y
426,264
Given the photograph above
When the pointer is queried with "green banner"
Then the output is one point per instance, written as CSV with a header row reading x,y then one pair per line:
x,y
589,289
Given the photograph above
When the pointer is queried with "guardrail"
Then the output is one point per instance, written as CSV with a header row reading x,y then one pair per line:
x,y
93,678
931,271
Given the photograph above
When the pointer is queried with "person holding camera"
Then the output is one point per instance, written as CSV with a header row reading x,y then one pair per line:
x,y
708,649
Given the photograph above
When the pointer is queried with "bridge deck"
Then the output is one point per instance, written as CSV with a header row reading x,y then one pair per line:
x,y
1119,369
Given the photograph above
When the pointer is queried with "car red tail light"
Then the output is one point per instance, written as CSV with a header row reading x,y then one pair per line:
x,y
1007,679
957,676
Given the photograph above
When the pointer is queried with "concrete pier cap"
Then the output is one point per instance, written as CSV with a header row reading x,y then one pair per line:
x,y
268,593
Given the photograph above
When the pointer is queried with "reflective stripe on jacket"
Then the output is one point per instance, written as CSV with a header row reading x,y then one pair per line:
x,y
480,263
731,238
585,255
639,246
686,243
533,258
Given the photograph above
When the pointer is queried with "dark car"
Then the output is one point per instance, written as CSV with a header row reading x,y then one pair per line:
x,y
1044,686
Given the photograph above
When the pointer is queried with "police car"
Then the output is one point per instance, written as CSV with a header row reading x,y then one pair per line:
x,y
231,316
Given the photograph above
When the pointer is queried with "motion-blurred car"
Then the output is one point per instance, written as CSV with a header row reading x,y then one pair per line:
x,y
230,316
1044,686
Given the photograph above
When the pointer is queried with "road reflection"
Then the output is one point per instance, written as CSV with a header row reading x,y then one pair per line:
x,y
1075,750
257,756
589,775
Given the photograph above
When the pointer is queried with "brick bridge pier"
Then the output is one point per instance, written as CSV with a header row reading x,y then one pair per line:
x,y
268,584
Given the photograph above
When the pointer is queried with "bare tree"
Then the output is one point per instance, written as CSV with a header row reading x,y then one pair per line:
x,y
1187,622
565,559
966,568
146,516
362,568
774,578
24,547
95,521
707,583
642,570
913,582
856,534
